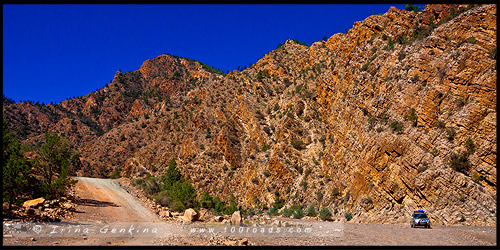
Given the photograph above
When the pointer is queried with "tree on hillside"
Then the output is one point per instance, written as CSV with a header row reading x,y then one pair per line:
x,y
172,175
411,7
55,163
181,194
16,169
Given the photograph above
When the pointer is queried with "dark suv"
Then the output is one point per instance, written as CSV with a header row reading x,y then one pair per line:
x,y
419,218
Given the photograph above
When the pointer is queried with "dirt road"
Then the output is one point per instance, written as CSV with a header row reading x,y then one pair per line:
x,y
105,202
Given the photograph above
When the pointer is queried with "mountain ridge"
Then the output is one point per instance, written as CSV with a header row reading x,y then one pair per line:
x,y
366,122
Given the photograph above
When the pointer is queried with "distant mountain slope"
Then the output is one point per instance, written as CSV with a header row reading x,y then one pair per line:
x,y
397,114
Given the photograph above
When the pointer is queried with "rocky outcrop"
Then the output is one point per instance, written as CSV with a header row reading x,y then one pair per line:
x,y
190,215
370,122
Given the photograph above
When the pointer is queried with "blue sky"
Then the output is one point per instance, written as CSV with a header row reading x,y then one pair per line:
x,y
51,52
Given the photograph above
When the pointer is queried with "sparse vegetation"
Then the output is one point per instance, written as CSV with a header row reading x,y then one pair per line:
x,y
396,126
348,216
311,211
325,214
460,162
469,145
298,214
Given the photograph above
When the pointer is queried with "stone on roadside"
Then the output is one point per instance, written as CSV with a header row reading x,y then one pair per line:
x,y
190,215
231,243
236,218
243,242
33,203
165,213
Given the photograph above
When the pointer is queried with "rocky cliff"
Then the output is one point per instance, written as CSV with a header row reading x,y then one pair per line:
x,y
397,114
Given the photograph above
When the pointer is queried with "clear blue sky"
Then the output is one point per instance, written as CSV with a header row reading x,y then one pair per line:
x,y
51,52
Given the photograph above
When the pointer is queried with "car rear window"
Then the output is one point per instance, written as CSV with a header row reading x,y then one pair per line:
x,y
420,216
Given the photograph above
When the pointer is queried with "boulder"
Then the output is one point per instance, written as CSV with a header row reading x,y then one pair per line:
x,y
165,214
218,218
243,242
190,215
236,218
33,203
231,243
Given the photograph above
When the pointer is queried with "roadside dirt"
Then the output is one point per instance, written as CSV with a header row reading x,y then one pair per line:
x,y
106,201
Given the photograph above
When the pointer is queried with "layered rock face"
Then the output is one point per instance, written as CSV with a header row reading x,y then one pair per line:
x,y
395,115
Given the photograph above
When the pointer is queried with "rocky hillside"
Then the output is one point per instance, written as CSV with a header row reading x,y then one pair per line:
x,y
397,114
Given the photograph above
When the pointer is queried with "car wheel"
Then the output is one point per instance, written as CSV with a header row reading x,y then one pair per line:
x,y
411,225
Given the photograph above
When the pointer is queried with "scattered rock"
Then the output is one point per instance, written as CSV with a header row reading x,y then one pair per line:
x,y
236,218
276,223
218,218
190,215
165,214
33,203
243,242
231,243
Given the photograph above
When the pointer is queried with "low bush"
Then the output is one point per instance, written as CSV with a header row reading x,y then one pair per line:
x,y
469,145
298,214
286,212
325,214
207,201
396,126
460,162
311,211
116,173
348,216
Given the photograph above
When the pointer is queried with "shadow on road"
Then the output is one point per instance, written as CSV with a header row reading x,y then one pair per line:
x,y
96,203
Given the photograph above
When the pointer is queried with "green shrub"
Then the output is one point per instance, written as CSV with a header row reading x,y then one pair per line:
x,y
218,205
180,192
251,212
162,198
390,44
396,126
298,144
172,175
138,182
185,193
273,211
411,7
265,147
232,207
178,206
16,168
116,173
298,214
460,162
325,214
335,192
412,117
151,186
469,145
348,216
207,201
450,133
55,163
286,212
311,211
